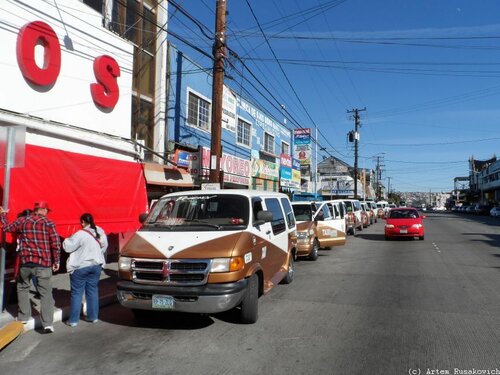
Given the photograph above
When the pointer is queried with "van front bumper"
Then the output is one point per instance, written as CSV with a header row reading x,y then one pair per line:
x,y
206,299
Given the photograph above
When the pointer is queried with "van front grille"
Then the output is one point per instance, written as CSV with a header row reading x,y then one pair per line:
x,y
171,271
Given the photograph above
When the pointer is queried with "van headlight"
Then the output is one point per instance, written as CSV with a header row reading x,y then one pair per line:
x,y
227,264
124,264
303,236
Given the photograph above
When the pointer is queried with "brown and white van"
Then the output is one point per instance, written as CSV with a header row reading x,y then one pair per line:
x,y
317,226
209,251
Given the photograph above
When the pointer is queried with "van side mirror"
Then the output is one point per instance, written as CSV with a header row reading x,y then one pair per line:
x,y
263,217
143,217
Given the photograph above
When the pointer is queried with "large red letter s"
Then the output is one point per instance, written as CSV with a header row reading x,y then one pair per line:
x,y
106,92
31,35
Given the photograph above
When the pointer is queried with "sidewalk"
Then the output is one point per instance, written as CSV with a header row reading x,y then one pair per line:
x,y
61,291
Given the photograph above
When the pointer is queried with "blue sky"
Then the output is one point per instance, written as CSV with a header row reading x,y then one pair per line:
x,y
427,72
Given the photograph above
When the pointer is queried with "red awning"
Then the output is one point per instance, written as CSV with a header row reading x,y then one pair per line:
x,y
158,174
113,191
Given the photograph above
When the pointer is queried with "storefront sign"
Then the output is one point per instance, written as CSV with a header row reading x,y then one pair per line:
x,y
105,92
236,170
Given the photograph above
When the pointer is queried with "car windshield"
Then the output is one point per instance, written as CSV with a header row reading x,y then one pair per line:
x,y
204,211
303,212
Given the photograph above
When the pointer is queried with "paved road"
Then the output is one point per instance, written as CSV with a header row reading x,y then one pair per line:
x,y
369,307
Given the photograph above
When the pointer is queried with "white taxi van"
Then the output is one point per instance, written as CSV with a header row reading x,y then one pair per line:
x,y
209,251
337,221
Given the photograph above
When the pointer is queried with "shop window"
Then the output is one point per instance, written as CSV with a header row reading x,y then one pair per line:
x,y
243,132
198,112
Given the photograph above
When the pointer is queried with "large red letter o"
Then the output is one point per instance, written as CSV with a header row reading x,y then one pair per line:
x,y
29,37
105,93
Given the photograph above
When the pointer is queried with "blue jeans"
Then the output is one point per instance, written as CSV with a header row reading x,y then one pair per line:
x,y
85,280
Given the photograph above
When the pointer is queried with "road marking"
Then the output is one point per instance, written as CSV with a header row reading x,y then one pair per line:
x,y
436,247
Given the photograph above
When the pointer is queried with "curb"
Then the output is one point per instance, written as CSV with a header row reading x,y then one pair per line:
x,y
10,331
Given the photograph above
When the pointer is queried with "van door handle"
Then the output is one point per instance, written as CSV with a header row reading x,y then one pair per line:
x,y
268,232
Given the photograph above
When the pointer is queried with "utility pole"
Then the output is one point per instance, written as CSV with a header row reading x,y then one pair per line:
x,y
388,187
354,137
219,53
378,177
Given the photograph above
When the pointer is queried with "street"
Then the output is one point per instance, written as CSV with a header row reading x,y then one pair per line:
x,y
369,307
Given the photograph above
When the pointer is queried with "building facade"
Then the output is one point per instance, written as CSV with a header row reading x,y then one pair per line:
x,y
66,110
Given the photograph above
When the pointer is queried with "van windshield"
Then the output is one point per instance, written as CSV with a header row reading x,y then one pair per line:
x,y
204,211
303,212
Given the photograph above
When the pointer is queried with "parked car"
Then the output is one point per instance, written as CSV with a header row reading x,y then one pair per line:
x,y
482,209
381,205
354,210
373,207
206,252
495,211
404,222
365,214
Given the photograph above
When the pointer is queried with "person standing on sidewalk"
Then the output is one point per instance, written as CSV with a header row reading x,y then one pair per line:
x,y
86,248
39,256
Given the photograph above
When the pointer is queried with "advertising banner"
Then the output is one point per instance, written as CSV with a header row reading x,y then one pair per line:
x,y
302,145
285,169
265,169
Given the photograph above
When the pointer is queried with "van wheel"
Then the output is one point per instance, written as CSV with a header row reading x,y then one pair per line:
x,y
291,270
250,304
314,251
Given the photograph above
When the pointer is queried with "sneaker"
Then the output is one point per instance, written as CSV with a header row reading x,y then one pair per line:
x,y
48,329
23,321
71,324
92,321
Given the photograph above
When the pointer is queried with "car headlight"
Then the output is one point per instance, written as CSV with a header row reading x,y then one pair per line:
x,y
227,264
389,226
417,226
124,264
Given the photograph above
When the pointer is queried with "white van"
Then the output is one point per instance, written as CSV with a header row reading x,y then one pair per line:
x,y
338,211
209,251
353,207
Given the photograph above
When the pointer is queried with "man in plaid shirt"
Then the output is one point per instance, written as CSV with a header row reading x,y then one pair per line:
x,y
39,253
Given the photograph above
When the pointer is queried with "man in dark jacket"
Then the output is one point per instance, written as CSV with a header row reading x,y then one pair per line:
x,y
39,254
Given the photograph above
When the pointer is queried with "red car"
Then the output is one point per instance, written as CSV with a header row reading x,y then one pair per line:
x,y
404,222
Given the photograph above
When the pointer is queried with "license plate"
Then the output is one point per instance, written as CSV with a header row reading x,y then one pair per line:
x,y
163,302
403,231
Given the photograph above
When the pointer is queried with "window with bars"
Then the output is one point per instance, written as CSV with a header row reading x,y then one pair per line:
x,y
243,132
198,112
269,143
